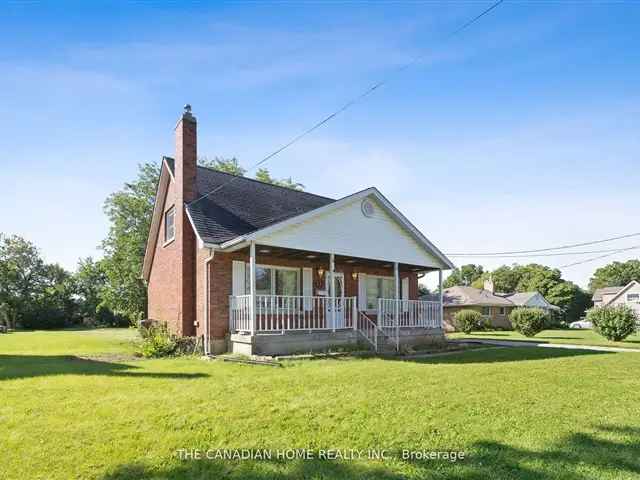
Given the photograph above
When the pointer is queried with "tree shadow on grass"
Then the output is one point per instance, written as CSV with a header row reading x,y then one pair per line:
x,y
611,452
28,366
501,354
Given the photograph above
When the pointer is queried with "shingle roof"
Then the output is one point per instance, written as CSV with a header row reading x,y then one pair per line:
x,y
462,295
244,205
520,298
597,295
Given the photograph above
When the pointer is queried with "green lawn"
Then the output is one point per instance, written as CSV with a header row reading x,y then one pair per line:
x,y
573,336
527,413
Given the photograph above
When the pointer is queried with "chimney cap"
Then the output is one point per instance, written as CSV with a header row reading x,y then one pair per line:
x,y
187,108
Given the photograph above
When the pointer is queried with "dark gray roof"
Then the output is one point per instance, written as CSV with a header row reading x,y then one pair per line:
x,y
597,295
243,205
465,295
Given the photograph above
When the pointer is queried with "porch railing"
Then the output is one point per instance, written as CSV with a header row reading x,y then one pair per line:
x,y
409,313
280,313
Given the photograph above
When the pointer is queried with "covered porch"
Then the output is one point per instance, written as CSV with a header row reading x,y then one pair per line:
x,y
318,298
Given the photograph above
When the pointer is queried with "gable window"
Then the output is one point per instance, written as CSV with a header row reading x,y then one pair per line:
x,y
486,310
170,225
379,287
633,297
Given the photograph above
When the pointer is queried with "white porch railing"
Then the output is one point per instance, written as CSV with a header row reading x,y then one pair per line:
x,y
410,313
281,313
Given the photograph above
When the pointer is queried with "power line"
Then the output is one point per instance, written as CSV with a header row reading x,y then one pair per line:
x,y
563,247
598,258
559,254
351,102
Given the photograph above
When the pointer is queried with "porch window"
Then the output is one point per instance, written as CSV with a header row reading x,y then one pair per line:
x,y
274,280
502,311
379,287
486,311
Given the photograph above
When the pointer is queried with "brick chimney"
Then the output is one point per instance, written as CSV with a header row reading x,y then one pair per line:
x,y
185,170
488,285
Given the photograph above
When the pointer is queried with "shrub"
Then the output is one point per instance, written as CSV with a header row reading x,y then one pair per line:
x,y
157,342
469,320
105,317
528,321
613,323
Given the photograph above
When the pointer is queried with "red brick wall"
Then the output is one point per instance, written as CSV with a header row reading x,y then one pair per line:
x,y
172,281
163,288
220,283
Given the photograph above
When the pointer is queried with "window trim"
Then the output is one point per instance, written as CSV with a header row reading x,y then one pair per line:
x,y
167,241
273,269
366,297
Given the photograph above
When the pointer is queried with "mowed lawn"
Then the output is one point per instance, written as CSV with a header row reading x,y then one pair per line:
x,y
524,413
573,336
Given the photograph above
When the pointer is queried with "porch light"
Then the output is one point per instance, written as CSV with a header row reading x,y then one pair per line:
x,y
320,272
354,275
350,261
312,256
265,250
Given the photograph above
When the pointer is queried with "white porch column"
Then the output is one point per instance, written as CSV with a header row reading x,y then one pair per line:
x,y
252,286
441,297
396,315
332,289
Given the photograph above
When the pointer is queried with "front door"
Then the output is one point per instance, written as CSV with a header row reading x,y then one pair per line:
x,y
336,319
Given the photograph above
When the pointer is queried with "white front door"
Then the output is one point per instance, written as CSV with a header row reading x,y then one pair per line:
x,y
336,319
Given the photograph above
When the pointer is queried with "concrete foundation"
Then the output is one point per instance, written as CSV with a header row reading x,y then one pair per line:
x,y
306,342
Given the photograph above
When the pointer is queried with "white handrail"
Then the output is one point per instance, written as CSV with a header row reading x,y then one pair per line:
x,y
410,313
368,329
281,313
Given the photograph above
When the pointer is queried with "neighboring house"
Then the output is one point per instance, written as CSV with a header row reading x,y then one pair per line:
x,y
610,296
495,307
258,268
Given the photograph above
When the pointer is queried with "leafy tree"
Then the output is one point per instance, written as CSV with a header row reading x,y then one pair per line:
x,y
615,274
227,165
90,279
465,275
21,275
129,211
571,298
264,176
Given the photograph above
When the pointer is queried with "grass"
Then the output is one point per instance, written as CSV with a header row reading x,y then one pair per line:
x,y
572,336
527,413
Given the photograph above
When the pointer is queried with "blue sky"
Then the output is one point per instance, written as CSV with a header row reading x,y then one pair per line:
x,y
522,132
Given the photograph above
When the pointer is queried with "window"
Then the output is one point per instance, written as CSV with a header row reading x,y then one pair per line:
x,y
379,287
486,310
170,225
633,297
274,280
502,311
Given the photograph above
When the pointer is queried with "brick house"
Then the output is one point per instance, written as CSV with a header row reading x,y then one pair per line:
x,y
495,307
252,267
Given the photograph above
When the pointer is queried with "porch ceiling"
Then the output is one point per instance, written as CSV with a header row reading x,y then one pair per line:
x,y
290,253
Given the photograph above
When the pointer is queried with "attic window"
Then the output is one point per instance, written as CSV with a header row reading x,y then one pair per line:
x,y
170,225
633,297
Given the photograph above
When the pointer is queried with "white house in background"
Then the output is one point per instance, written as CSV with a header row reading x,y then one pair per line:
x,y
610,296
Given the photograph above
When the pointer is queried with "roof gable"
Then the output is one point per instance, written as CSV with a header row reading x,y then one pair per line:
x,y
622,291
342,228
599,292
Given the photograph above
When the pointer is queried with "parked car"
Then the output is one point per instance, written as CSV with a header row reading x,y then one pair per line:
x,y
581,324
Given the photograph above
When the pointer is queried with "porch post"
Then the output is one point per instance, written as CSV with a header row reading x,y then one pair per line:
x,y
396,275
332,290
441,297
252,286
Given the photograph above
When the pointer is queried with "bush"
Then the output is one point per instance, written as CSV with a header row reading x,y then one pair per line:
x,y
157,342
613,323
528,321
105,317
469,320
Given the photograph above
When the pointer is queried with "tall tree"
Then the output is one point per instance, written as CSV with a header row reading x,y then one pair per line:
x,y
90,280
465,275
615,274
129,211
227,165
264,176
